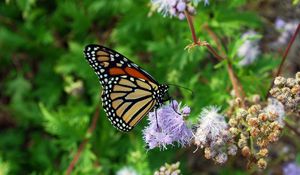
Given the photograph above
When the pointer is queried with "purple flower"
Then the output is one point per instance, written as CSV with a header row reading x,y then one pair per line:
x,y
167,126
291,169
279,23
173,8
249,50
181,6
286,29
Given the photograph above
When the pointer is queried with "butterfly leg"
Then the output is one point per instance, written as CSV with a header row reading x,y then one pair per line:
x,y
157,121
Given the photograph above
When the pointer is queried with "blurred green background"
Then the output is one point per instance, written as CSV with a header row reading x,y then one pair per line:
x,y
49,93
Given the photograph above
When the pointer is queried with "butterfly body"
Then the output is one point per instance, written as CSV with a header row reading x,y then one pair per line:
x,y
129,93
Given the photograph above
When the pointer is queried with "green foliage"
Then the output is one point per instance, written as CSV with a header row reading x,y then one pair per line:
x,y
42,54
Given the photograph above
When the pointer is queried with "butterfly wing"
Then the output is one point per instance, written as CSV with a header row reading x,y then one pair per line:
x,y
109,63
126,100
127,89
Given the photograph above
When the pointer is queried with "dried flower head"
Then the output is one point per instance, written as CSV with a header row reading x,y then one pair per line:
x,y
287,92
213,135
169,169
167,125
256,127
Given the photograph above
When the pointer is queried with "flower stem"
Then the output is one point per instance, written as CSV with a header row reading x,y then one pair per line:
x,y
238,89
286,52
84,142
191,25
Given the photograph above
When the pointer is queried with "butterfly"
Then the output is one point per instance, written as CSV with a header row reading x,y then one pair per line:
x,y
129,93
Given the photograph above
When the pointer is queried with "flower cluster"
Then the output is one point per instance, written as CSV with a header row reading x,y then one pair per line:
x,y
287,91
167,125
249,50
256,128
175,8
169,169
213,135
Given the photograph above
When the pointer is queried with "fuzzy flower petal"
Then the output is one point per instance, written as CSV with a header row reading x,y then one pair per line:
x,y
211,126
275,107
167,126
213,135
127,171
249,50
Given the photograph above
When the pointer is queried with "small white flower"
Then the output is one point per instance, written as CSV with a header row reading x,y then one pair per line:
x,y
276,107
221,158
249,50
127,171
212,128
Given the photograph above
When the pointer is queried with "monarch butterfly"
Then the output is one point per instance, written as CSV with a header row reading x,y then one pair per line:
x,y
129,92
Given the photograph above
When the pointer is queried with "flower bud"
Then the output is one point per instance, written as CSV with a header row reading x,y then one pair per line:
x,y
279,81
261,163
246,151
242,143
232,122
232,149
295,89
254,132
263,117
263,152
253,122
254,109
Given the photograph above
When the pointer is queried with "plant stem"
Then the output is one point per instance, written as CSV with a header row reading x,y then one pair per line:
x,y
191,25
288,125
285,54
238,89
84,142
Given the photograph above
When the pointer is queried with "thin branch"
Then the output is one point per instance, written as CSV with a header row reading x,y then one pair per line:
x,y
238,89
292,128
84,142
285,54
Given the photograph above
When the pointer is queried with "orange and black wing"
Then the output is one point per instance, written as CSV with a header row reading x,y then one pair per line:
x,y
109,63
127,89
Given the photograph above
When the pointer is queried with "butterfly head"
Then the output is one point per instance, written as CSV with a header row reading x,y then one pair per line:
x,y
161,95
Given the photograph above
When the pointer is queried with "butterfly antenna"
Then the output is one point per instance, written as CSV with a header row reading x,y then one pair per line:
x,y
182,87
